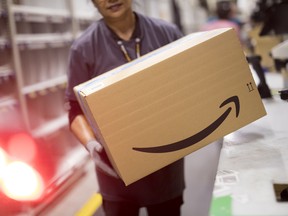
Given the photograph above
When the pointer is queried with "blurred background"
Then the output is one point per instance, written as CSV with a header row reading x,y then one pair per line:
x,y
39,158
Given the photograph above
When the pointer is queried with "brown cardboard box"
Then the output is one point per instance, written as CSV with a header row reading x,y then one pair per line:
x,y
263,46
171,102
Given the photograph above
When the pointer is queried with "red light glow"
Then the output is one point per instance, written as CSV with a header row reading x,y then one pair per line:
x,y
22,182
3,159
3,162
22,147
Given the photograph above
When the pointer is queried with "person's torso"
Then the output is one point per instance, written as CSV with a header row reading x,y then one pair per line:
x,y
103,53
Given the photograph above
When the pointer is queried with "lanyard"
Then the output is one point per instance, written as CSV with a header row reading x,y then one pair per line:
x,y
124,51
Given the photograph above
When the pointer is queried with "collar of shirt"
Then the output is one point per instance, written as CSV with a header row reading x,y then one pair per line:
x,y
136,33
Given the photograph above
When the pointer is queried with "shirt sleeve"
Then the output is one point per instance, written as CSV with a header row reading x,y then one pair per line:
x,y
74,110
178,34
78,72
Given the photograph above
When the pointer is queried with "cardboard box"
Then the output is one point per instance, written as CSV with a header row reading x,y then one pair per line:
x,y
263,46
171,102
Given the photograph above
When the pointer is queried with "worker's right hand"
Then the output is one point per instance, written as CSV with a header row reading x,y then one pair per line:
x,y
100,158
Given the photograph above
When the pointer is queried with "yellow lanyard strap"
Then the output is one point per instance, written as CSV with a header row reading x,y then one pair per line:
x,y
124,51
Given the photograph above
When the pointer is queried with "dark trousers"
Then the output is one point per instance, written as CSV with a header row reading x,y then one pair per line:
x,y
169,208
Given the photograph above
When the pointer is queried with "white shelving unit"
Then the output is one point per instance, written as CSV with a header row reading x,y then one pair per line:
x,y
7,74
37,36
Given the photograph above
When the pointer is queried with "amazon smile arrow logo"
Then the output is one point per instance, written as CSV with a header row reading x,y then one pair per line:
x,y
198,136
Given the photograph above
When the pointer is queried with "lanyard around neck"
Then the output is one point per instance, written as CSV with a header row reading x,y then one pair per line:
x,y
124,51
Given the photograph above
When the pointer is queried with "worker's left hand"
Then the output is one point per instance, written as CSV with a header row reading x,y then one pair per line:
x,y
100,158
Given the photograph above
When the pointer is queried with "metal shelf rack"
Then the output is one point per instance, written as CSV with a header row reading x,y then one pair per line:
x,y
37,36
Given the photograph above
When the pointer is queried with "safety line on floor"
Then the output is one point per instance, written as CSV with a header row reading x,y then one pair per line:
x,y
91,206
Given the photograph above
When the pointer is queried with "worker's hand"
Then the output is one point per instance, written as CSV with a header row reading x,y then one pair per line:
x,y
100,158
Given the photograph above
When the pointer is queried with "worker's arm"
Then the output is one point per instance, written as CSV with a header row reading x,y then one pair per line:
x,y
83,132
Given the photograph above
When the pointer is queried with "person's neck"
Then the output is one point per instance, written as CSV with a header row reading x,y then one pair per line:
x,y
124,26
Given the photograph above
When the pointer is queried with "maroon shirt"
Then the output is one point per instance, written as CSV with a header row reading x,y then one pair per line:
x,y
96,52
